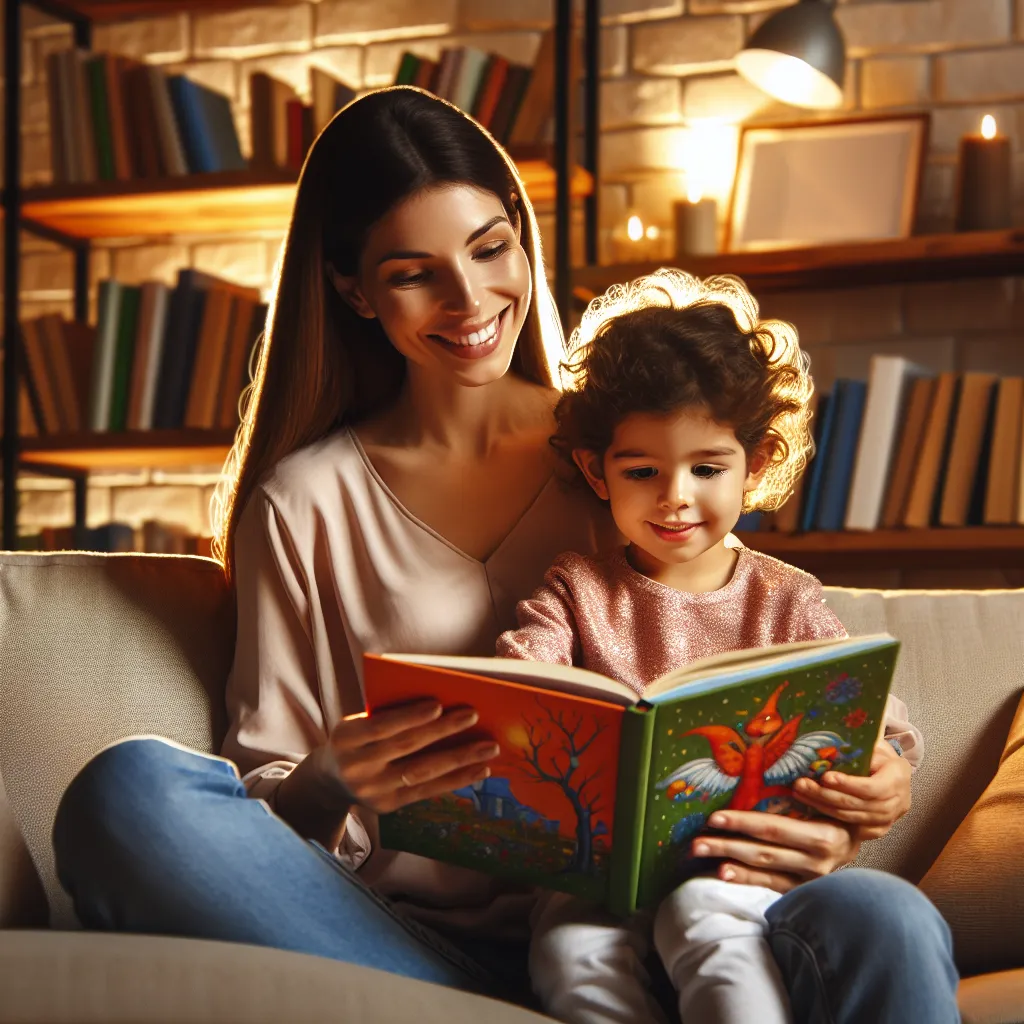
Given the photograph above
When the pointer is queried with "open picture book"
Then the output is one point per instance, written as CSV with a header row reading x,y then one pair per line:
x,y
599,792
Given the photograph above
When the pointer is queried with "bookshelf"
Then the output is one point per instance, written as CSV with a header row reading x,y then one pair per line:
x,y
223,203
890,261
75,216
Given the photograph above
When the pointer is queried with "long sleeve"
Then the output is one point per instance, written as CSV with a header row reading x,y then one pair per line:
x,y
274,713
547,625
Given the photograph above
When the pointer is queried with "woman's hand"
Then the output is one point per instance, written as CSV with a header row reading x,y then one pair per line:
x,y
774,851
379,763
874,803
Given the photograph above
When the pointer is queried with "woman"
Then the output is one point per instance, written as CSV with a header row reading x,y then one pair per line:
x,y
392,489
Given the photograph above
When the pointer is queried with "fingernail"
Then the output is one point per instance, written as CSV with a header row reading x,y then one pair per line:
x,y
701,849
436,711
728,874
488,750
717,820
467,718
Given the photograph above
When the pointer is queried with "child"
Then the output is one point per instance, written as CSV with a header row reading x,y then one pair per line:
x,y
686,411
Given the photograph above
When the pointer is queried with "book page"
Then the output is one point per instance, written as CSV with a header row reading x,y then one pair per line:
x,y
559,678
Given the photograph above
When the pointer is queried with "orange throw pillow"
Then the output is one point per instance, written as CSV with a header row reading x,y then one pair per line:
x,y
977,882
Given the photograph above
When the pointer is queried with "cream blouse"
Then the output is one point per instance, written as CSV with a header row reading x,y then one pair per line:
x,y
329,565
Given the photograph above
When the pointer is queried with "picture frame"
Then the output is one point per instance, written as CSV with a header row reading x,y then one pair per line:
x,y
808,183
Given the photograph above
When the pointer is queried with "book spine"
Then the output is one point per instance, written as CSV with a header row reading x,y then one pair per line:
x,y
630,807
96,71
125,352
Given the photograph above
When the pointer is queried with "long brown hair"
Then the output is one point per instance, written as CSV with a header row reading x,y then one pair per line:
x,y
319,365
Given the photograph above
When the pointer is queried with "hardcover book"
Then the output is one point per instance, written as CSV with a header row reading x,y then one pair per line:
x,y
598,792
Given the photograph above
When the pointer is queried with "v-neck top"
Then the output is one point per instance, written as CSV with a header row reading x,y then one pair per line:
x,y
329,564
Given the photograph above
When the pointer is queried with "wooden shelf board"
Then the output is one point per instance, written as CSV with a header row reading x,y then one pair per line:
x,y
921,258
207,203
125,10
156,449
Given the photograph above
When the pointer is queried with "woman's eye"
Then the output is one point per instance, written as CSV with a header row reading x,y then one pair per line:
x,y
409,277
491,250
707,472
641,473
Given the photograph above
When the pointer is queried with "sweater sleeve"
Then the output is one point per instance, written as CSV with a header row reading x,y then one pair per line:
x,y
547,625
275,717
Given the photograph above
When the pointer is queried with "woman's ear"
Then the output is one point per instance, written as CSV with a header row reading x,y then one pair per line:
x,y
591,466
348,288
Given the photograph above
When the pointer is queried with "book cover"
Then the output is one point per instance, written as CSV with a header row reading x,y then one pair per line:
x,y
149,336
598,793
849,399
96,72
127,325
1004,466
102,388
408,65
172,152
786,518
925,487
815,471
911,435
965,449
59,361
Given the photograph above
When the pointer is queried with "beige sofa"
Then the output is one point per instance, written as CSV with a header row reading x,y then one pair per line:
x,y
94,648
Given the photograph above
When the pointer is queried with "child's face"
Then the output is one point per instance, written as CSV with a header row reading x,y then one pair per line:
x,y
675,482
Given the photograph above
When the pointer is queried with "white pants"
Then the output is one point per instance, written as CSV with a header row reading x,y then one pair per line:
x,y
587,967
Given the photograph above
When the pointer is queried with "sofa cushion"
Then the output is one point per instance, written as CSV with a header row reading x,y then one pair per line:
x,y
96,648
960,672
74,978
978,881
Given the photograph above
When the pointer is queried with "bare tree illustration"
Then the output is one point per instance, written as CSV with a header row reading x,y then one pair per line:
x,y
566,732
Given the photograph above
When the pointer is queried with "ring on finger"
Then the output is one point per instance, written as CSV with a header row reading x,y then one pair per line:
x,y
405,781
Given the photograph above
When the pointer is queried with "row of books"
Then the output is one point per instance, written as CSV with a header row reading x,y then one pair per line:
x,y
117,119
909,448
512,101
159,358
153,537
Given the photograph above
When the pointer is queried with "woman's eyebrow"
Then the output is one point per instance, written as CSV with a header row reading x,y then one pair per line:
x,y
407,254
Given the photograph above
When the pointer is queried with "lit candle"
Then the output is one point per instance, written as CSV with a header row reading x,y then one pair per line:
x,y
637,242
696,225
985,186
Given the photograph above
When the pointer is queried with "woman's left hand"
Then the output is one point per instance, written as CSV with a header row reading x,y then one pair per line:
x,y
780,853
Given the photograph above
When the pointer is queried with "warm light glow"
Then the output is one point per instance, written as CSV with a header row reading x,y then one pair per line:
x,y
988,126
694,193
652,231
635,228
789,79
705,153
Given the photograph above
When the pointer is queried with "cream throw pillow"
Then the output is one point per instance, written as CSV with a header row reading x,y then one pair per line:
x,y
977,882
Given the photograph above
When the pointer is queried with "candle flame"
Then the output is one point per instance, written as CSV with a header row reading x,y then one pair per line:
x,y
652,231
694,193
988,126
635,228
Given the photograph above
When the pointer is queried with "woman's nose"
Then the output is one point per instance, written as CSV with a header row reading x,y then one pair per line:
x,y
461,295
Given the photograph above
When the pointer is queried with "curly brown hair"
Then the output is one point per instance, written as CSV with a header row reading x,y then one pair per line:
x,y
670,341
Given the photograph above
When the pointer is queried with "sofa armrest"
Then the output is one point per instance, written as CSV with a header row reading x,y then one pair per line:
x,y
90,978
993,998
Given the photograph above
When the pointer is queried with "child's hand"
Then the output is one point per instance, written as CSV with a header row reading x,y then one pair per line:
x,y
874,803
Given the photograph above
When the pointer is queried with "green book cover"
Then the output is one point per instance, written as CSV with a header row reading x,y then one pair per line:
x,y
408,67
127,323
97,76
598,793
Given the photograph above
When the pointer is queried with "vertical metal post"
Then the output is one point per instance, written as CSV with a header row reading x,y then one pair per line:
x,y
81,482
592,123
12,227
563,158
81,253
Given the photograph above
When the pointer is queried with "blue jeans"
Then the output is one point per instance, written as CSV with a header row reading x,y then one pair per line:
x,y
152,838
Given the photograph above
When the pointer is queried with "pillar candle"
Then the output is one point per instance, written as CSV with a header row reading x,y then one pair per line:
x,y
696,227
985,184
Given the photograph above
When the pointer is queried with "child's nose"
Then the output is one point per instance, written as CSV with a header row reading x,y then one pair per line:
x,y
677,492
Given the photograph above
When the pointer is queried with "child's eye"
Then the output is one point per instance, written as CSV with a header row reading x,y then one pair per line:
x,y
641,473
707,472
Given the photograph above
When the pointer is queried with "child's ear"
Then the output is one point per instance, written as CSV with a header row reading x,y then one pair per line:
x,y
757,463
592,468
348,288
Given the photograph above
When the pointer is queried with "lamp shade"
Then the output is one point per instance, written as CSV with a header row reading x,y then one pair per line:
x,y
798,56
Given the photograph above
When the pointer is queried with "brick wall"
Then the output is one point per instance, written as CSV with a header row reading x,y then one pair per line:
x,y
666,77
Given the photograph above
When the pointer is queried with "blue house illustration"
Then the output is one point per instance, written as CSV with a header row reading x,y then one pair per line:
x,y
493,798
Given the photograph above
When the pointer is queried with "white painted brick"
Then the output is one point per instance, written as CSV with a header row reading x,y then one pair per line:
x,y
1002,354
854,360
624,12
950,124
36,162
629,101
28,55
363,21
546,225
735,6
499,15
614,50
162,40
380,62
252,32
981,304
46,275
625,154
290,68
244,262
99,264
932,25
113,478
344,62
935,204
29,308
219,75
895,82
39,509
686,45
135,264
180,505
98,506
59,38
982,75
726,97
864,315
613,207
190,478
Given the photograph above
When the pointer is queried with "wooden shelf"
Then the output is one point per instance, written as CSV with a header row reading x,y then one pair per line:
x,y
968,547
125,10
221,203
921,258
156,449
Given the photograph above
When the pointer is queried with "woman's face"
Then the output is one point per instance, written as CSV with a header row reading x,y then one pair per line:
x,y
445,274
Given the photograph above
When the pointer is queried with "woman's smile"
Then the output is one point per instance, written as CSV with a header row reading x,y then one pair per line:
x,y
476,343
